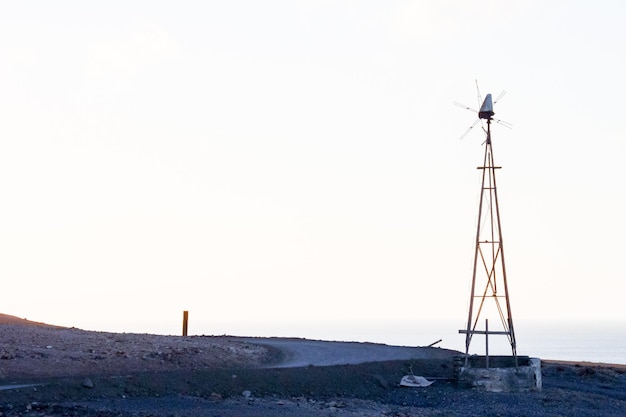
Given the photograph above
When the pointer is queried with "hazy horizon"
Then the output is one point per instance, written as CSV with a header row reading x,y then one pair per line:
x,y
575,340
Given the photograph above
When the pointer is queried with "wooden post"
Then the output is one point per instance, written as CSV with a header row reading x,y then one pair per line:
x,y
185,321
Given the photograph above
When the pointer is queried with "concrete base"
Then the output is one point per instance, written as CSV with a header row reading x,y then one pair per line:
x,y
502,374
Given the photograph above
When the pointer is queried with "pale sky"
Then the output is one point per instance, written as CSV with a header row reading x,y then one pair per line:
x,y
300,160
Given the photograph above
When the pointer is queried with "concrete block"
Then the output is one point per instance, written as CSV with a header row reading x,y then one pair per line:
x,y
522,378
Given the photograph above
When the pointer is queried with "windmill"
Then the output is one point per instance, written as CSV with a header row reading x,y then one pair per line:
x,y
489,290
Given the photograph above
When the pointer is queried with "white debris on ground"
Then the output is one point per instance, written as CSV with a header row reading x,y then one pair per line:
x,y
414,381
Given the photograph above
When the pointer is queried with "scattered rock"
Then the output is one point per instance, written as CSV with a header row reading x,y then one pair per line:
x,y
335,404
88,383
7,355
381,382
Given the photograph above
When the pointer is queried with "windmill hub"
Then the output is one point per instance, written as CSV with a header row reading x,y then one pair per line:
x,y
486,110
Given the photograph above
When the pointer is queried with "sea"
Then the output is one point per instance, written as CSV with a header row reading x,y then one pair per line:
x,y
585,340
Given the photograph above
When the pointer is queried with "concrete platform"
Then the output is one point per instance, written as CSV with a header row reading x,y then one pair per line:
x,y
501,376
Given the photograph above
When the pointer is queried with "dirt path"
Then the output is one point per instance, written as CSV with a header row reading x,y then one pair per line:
x,y
302,352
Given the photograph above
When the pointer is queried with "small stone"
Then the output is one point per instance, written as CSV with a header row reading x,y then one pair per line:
x,y
381,381
247,393
88,383
335,404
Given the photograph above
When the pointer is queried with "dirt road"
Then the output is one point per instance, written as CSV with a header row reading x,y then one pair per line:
x,y
302,352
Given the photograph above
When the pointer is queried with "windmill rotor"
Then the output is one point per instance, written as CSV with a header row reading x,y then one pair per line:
x,y
485,112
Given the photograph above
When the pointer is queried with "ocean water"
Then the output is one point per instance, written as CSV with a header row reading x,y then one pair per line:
x,y
593,341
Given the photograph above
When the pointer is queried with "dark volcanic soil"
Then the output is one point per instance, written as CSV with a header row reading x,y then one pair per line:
x,y
106,374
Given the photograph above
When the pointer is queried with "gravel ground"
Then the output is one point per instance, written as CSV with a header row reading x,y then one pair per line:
x,y
82,373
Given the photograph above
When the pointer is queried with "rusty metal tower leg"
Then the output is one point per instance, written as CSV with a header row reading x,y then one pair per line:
x,y
489,281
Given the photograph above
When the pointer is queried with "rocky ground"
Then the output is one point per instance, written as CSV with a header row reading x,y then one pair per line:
x,y
71,372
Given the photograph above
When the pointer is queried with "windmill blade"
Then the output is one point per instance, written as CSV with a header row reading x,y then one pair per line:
x,y
479,96
503,123
463,106
499,97
469,128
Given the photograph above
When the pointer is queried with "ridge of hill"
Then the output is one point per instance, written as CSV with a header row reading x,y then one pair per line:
x,y
9,319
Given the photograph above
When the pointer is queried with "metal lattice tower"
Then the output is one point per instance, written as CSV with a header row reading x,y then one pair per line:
x,y
489,292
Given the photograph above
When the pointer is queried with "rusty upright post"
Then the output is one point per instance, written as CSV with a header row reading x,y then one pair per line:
x,y
185,321
486,343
